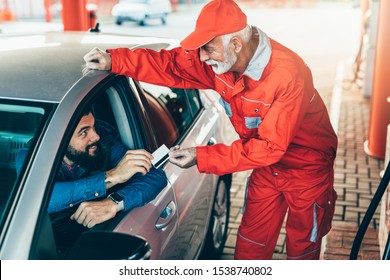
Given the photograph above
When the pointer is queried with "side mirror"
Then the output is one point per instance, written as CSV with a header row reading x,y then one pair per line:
x,y
102,245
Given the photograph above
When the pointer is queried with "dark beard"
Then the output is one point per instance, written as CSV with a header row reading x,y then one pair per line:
x,y
85,160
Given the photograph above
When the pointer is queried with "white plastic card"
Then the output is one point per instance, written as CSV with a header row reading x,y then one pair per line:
x,y
161,155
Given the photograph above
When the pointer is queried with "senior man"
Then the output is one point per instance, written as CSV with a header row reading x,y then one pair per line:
x,y
286,137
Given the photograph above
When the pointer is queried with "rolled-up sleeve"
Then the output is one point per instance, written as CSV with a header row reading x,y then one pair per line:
x,y
68,194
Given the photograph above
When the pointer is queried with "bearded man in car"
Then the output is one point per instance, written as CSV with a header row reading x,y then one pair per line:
x,y
98,177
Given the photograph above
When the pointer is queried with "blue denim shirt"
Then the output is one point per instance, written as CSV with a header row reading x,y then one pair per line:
x,y
72,190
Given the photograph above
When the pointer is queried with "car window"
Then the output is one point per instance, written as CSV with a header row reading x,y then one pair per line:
x,y
109,106
20,124
172,111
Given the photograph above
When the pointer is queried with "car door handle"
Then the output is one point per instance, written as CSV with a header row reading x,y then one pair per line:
x,y
166,216
212,141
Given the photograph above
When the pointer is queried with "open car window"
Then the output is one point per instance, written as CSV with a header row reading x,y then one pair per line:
x,y
172,111
113,123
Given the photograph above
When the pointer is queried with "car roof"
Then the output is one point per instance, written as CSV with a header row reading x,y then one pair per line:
x,y
45,66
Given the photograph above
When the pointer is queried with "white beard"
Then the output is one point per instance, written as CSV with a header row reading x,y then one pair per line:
x,y
223,67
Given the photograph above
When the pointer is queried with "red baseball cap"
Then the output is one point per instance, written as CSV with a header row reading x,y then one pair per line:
x,y
218,17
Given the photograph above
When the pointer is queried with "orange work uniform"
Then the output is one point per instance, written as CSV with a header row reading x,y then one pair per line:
x,y
285,136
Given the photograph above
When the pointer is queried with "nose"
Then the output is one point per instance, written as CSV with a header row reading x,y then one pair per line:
x,y
203,55
94,136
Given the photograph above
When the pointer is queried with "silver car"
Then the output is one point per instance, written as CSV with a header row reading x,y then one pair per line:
x,y
141,11
42,94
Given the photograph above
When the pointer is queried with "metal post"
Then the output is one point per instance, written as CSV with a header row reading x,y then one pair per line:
x,y
380,102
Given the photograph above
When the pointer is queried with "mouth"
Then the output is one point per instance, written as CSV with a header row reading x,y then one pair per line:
x,y
92,148
210,63
214,66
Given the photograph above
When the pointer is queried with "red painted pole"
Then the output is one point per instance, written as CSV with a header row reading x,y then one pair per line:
x,y
174,5
47,11
6,13
74,15
380,101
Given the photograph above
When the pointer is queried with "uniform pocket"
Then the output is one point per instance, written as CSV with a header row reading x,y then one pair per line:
x,y
323,211
253,112
226,106
252,122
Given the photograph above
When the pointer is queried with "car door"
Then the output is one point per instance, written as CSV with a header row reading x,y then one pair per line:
x,y
157,221
177,116
22,127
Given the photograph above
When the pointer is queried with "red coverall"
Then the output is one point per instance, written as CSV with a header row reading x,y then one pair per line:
x,y
285,136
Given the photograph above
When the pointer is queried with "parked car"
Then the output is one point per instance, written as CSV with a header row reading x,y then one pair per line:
x,y
141,11
42,93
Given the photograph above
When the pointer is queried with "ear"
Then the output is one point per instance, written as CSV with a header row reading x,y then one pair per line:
x,y
237,44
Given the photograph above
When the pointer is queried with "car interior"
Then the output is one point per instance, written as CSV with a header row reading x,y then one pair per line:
x,y
172,111
18,125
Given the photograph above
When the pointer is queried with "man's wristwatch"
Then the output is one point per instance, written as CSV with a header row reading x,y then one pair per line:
x,y
118,199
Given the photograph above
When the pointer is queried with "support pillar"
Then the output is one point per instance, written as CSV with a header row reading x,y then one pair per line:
x,y
74,15
380,101
6,13
174,4
47,11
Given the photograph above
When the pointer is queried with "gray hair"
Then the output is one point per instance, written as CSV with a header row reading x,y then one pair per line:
x,y
245,34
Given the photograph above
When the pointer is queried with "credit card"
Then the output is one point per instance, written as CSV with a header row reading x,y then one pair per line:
x,y
161,155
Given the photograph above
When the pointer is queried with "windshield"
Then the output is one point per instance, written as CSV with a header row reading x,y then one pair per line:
x,y
20,125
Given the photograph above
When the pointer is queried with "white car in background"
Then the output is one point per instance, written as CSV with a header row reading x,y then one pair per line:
x,y
141,11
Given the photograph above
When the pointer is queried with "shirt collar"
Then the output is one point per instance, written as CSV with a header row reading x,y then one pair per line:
x,y
261,57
